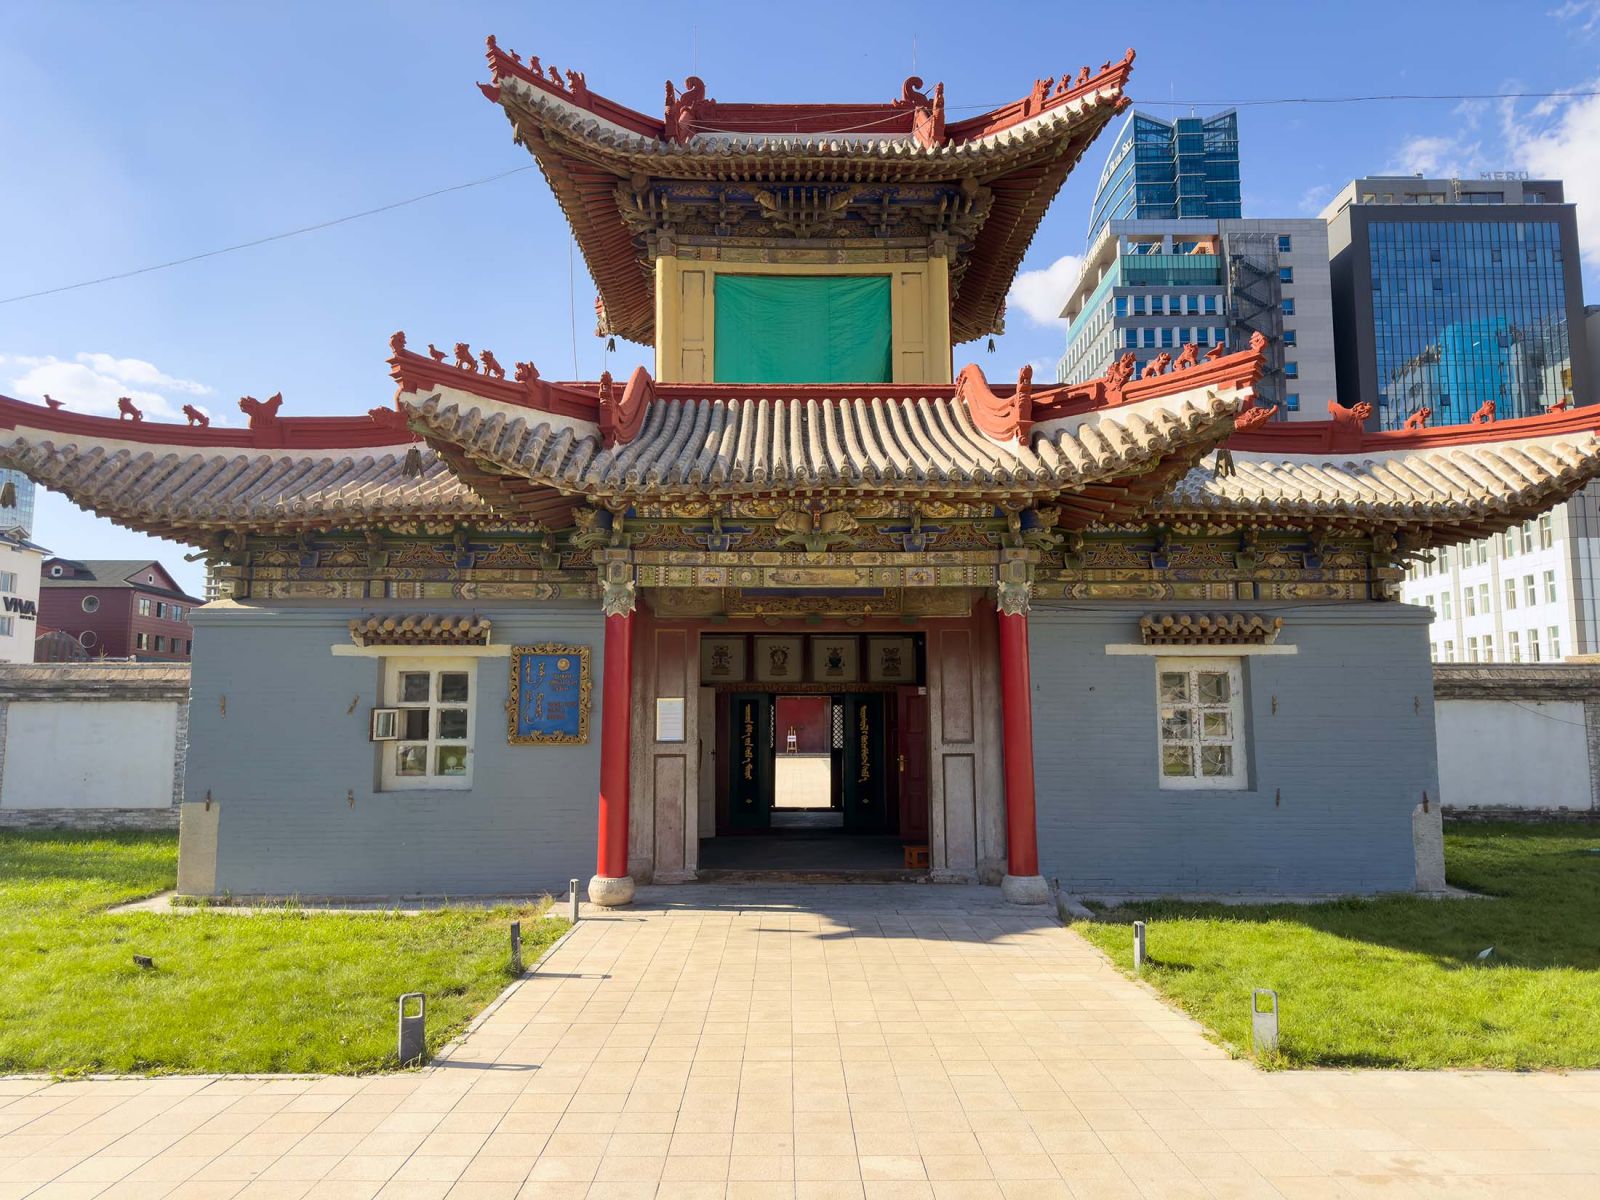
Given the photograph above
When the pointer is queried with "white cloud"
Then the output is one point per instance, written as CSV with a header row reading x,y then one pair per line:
x,y
1315,198
1552,138
1435,157
1041,294
1585,14
92,382
1557,140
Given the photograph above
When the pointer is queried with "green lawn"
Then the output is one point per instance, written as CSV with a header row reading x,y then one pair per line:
x,y
1396,982
281,990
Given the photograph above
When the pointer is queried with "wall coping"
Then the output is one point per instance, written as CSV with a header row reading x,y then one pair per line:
x,y
94,681
1516,681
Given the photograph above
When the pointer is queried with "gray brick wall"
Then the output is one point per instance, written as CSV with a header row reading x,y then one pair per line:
x,y
1342,745
278,738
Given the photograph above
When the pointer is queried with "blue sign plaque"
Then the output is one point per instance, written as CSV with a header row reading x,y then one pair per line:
x,y
549,695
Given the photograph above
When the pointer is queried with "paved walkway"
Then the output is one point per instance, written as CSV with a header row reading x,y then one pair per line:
x,y
858,1042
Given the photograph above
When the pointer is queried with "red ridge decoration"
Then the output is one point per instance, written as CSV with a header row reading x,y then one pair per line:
x,y
285,433
419,373
1418,419
1346,435
1004,418
1254,417
621,419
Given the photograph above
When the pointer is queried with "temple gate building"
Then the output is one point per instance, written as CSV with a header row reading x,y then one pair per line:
x,y
801,583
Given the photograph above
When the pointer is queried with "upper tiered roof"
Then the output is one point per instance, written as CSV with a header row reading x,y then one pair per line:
x,y
624,178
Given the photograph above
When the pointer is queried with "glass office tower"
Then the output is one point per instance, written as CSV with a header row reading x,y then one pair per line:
x,y
1162,170
1452,293
20,513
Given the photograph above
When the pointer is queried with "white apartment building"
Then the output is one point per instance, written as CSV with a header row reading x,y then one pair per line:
x,y
20,562
1527,595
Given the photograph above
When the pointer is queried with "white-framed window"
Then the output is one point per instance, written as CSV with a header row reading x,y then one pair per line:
x,y
144,606
1468,605
1483,551
1550,587
1533,645
1530,590
1444,559
8,626
1200,723
1483,599
1444,605
1511,592
1433,651
1512,648
91,604
1472,649
1488,647
8,581
1553,641
1547,531
437,699
141,641
1449,650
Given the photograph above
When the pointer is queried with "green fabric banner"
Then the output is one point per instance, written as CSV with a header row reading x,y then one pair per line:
x,y
802,329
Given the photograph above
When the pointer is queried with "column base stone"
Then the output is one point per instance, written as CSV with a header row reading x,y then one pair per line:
x,y
1025,889
609,892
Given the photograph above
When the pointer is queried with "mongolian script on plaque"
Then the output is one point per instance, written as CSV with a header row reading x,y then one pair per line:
x,y
549,702
866,752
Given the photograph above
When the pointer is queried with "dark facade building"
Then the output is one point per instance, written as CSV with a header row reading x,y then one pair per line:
x,y
1453,295
117,608
1162,170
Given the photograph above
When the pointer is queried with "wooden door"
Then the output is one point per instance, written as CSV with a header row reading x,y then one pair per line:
x,y
911,766
749,761
865,771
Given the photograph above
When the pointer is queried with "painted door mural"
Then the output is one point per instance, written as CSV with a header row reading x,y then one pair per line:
x,y
865,771
911,765
750,760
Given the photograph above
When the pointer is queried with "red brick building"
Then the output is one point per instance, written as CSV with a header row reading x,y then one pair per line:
x,y
117,608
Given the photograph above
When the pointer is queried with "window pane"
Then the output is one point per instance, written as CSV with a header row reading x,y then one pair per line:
x,y
453,686
452,722
416,724
1214,687
414,687
1177,760
411,760
1177,726
1174,687
452,760
1216,725
1216,760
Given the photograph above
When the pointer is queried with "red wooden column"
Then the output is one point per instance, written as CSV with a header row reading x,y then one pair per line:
x,y
1022,883
612,885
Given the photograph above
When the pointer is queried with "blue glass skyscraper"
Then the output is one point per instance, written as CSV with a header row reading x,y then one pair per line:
x,y
1162,170
1451,294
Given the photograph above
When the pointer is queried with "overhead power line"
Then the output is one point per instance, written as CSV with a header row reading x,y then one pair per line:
x,y
472,183
271,237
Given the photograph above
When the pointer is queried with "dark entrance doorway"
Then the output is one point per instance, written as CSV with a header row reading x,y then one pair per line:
x,y
820,783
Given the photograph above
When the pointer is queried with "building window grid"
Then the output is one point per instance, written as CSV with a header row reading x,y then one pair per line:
x,y
1491,329
1200,723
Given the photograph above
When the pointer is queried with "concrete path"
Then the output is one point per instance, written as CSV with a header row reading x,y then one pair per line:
x,y
862,1042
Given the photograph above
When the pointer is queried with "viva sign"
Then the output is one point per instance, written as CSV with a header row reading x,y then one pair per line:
x,y
28,610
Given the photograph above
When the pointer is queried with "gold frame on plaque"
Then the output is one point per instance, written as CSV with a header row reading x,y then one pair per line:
x,y
514,704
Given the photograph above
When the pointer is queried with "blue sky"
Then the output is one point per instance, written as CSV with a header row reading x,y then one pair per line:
x,y
135,133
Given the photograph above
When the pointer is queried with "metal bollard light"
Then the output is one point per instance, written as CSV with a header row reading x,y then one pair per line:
x,y
1138,947
572,901
1264,1021
516,947
413,1029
